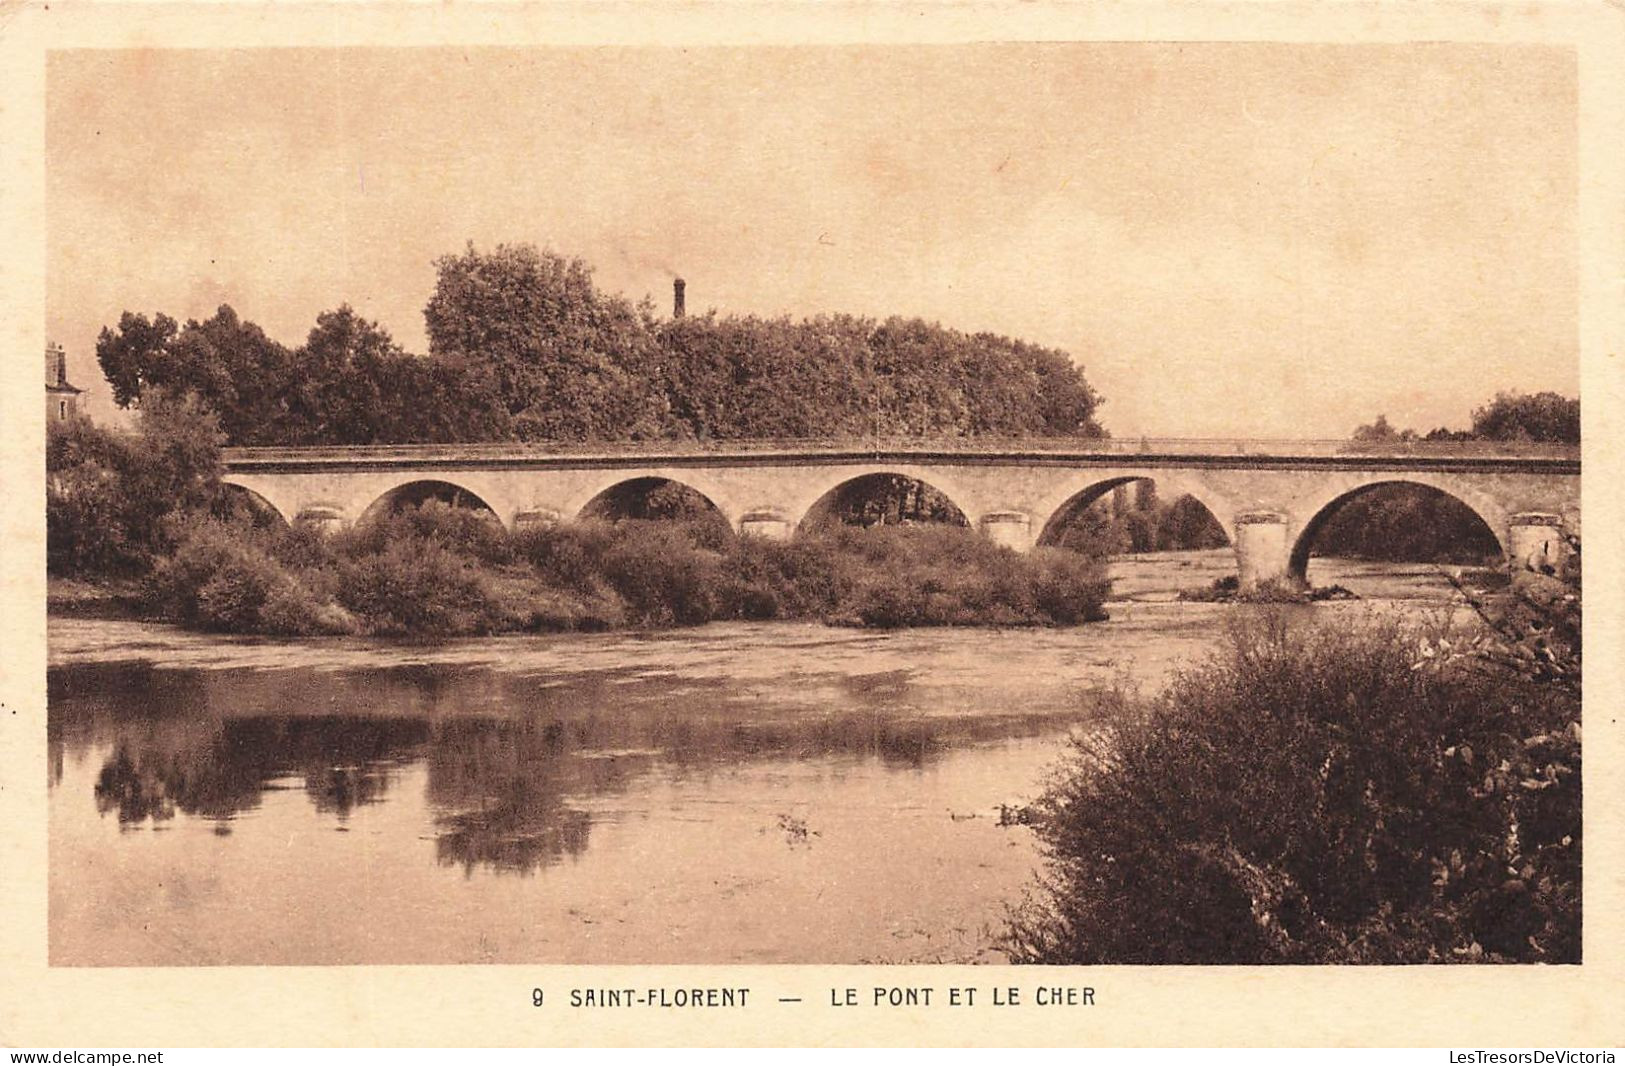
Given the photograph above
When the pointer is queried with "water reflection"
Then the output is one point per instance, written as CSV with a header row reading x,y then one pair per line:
x,y
216,769
499,790
751,793
515,762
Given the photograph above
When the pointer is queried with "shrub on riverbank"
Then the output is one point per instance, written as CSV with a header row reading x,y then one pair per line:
x,y
110,494
441,571
1310,796
226,577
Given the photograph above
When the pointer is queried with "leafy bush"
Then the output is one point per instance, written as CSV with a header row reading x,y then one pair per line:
x,y
303,546
293,609
109,494
1309,796
799,578
664,577
85,533
432,571
475,534
205,549
569,555
417,588
1068,588
942,576
223,577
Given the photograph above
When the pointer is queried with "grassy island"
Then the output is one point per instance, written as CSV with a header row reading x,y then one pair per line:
x,y
438,570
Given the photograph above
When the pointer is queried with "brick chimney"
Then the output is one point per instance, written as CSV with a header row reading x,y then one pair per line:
x,y
56,365
61,398
677,287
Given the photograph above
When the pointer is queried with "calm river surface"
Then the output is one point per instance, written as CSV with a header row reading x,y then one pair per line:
x,y
735,793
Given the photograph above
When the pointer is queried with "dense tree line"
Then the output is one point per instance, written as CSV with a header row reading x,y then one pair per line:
x,y
350,383
524,346
1544,417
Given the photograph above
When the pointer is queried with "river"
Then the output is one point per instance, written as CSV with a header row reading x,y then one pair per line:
x,y
737,793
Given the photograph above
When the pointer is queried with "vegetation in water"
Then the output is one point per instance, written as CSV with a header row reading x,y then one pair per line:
x,y
438,570
1326,793
1228,589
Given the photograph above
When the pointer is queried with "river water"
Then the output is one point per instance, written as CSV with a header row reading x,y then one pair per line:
x,y
745,793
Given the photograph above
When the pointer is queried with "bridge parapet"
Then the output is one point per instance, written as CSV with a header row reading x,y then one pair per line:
x,y
915,447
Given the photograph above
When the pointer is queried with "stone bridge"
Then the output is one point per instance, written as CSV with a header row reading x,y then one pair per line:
x,y
1271,497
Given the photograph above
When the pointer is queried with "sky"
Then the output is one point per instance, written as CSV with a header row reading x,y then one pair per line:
x,y
1232,240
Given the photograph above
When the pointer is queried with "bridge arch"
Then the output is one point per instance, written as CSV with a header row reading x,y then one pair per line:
x,y
1057,514
830,489
1319,511
636,497
415,492
256,503
255,497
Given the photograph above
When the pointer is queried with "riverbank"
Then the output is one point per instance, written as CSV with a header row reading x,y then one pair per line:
x,y
109,598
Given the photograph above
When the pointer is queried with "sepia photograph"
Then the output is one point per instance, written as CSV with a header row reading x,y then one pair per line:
x,y
1057,502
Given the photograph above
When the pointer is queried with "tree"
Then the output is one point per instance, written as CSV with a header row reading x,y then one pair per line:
x,y
352,384
1066,403
84,523
1187,524
524,346
341,392
174,459
129,357
110,494
567,361
230,365
1511,416
1545,416
1380,432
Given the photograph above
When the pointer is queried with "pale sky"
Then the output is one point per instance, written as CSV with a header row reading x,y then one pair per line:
x,y
1233,240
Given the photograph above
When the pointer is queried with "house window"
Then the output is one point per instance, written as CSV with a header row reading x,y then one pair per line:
x,y
62,409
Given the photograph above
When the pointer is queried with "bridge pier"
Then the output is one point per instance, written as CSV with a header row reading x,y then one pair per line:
x,y
1261,548
536,517
1535,541
770,525
1008,529
325,518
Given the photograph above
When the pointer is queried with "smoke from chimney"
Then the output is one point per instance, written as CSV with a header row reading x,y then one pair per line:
x,y
677,286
